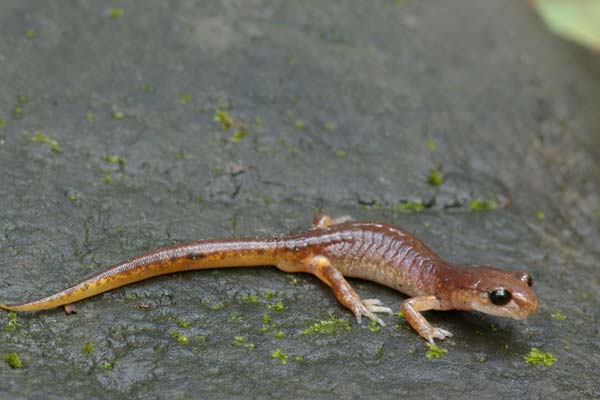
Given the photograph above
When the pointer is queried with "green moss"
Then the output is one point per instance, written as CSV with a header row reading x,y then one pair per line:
x,y
12,324
379,351
400,315
330,126
217,306
18,111
431,145
72,196
297,358
106,178
494,328
280,355
540,215
13,360
118,115
300,124
340,153
268,295
535,356
482,205
409,206
279,334
374,326
38,137
30,34
294,281
22,99
240,341
201,338
250,298
178,336
238,135
434,351
236,317
558,316
481,359
116,12
276,306
266,319
90,118
260,123
183,324
329,326
435,177
224,119
115,160
106,365
2,123
87,348
185,98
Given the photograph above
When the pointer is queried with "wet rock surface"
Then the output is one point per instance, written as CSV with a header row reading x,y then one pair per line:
x,y
127,126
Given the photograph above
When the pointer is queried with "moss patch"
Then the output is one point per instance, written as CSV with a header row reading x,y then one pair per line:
x,y
280,355
178,336
116,13
435,177
558,316
535,356
11,325
13,360
38,137
328,327
434,351
409,206
482,205
87,348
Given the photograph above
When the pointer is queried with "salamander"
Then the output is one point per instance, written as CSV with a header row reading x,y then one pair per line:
x,y
333,250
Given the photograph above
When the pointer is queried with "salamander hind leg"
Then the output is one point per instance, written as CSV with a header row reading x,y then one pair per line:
x,y
322,268
411,309
324,220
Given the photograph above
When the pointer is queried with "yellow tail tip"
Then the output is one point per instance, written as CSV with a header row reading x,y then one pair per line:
x,y
10,307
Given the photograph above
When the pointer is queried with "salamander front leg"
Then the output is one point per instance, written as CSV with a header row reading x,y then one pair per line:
x,y
324,220
375,306
322,268
411,309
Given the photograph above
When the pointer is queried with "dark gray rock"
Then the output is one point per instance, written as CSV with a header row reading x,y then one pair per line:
x,y
338,101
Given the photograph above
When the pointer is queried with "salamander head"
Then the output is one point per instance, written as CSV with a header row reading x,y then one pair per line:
x,y
494,291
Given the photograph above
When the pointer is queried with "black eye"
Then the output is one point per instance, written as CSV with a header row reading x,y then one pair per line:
x,y
500,296
529,280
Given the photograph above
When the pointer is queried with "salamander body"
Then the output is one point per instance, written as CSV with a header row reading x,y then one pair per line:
x,y
332,250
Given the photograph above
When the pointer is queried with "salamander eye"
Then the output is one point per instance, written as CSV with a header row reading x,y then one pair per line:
x,y
529,280
525,278
500,296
